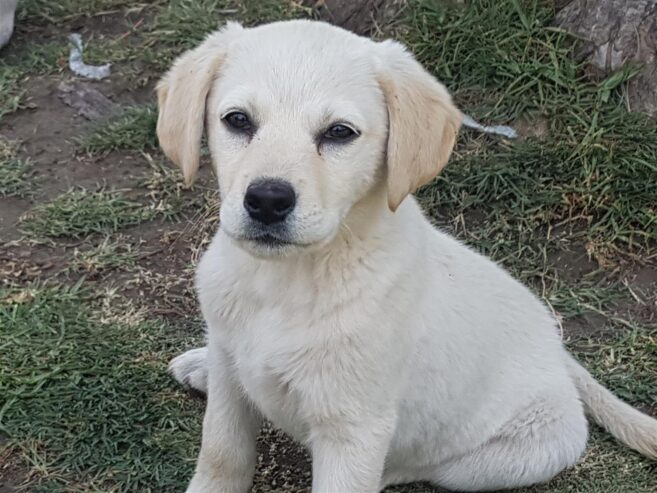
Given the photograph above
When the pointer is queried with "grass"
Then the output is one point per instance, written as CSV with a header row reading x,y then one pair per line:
x,y
80,213
10,93
88,406
626,364
109,254
166,190
40,12
133,128
587,180
184,23
15,174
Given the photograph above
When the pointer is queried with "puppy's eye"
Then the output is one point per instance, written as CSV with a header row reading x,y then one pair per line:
x,y
340,132
238,121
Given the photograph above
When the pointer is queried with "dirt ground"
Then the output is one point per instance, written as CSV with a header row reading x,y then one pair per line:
x,y
150,262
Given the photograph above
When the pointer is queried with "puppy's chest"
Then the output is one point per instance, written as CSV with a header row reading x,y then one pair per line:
x,y
282,337
273,361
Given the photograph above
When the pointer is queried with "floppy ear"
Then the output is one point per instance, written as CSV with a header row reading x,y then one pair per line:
x,y
181,96
422,122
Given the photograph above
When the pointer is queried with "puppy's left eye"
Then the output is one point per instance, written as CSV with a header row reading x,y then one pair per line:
x,y
237,120
340,132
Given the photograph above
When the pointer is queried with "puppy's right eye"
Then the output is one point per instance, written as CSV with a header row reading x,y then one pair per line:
x,y
238,121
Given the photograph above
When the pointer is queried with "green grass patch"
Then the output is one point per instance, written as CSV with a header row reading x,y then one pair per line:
x,y
79,213
15,178
493,54
109,254
589,179
39,12
15,174
88,406
134,129
37,57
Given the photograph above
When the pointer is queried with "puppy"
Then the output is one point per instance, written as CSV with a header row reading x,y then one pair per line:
x,y
333,307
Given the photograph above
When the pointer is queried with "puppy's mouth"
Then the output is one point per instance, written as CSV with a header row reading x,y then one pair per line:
x,y
269,240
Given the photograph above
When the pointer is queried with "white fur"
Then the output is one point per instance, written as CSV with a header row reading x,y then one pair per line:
x,y
391,350
7,13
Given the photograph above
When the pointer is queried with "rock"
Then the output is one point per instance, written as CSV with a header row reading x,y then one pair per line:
x,y
616,32
87,100
365,17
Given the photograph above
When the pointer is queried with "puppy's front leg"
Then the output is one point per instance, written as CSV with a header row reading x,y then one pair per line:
x,y
227,460
350,457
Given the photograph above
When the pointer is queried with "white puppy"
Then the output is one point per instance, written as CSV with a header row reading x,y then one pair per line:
x,y
333,307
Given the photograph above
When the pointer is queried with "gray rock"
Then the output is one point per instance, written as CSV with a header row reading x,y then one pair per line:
x,y
616,32
89,102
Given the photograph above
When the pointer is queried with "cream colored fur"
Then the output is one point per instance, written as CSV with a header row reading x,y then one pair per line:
x,y
392,351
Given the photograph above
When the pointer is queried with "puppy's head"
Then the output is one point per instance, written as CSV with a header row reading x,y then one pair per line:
x,y
304,120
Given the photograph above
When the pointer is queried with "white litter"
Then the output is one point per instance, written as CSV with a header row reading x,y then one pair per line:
x,y
503,130
75,63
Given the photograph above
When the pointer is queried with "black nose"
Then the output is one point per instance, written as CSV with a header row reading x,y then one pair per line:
x,y
269,201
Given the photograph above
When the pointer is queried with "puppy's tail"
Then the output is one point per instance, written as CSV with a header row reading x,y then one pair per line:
x,y
630,426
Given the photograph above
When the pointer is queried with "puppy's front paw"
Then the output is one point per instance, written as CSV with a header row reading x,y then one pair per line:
x,y
190,369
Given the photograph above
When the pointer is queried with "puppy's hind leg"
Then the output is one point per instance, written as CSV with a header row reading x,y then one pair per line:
x,y
190,369
532,449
